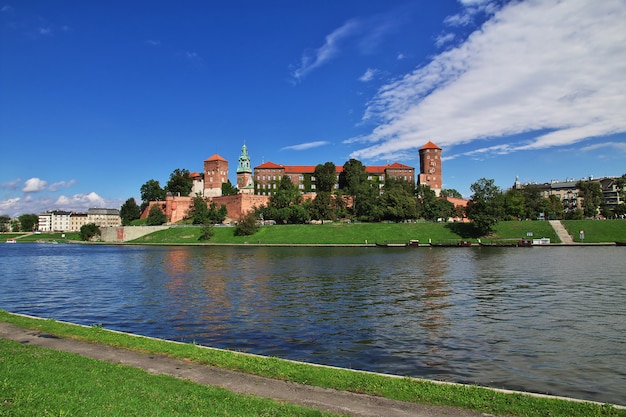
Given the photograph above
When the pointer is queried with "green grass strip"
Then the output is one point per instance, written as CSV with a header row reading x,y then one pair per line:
x,y
40,381
399,388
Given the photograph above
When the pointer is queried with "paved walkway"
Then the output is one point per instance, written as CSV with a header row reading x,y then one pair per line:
x,y
339,402
561,232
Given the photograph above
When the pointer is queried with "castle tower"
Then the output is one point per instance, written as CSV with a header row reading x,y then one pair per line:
x,y
245,182
215,174
430,167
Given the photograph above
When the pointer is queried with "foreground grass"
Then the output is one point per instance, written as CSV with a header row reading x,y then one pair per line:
x,y
40,381
350,234
405,389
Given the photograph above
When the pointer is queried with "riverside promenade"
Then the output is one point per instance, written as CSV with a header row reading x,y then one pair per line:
x,y
328,400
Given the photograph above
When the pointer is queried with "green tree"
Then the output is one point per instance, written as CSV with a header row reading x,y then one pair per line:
x,y
228,189
89,231
397,203
325,177
156,217
180,182
591,193
450,193
207,232
353,177
284,205
199,211
15,225
5,223
485,207
247,226
554,207
515,204
151,191
28,222
129,211
322,207
217,214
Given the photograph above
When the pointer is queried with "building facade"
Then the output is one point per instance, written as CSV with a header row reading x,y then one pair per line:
x,y
268,175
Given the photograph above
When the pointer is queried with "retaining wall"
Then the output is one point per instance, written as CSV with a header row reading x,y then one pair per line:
x,y
126,233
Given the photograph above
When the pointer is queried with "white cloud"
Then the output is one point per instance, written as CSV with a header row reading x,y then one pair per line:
x,y
80,201
327,51
305,146
64,184
444,39
34,185
369,75
618,146
8,205
365,33
11,185
547,67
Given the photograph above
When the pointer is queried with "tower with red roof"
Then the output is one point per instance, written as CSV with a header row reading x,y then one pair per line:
x,y
430,167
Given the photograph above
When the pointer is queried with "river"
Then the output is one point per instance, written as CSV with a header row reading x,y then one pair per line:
x,y
542,319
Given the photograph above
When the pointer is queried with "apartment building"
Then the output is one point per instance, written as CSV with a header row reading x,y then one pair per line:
x,y
67,221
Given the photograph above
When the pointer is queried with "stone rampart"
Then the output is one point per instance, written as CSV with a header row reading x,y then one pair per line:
x,y
126,233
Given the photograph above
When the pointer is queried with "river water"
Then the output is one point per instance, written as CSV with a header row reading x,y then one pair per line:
x,y
543,319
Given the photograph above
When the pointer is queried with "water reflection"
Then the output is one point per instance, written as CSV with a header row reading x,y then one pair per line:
x,y
541,319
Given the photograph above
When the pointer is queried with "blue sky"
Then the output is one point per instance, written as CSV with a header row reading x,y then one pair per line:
x,y
96,98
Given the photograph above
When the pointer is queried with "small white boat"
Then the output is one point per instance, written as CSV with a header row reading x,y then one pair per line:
x,y
11,240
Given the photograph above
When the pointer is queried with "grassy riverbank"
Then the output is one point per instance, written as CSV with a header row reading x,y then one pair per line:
x,y
104,386
353,233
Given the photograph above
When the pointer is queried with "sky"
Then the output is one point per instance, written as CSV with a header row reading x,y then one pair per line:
x,y
96,97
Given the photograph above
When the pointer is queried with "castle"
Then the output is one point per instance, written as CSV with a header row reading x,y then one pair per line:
x,y
255,188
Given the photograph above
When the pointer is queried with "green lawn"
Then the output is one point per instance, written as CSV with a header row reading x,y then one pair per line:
x,y
39,381
597,231
352,233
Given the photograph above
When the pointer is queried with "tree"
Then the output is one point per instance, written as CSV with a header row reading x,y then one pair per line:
x,y
322,208
156,217
591,193
129,211
554,207
450,193
247,226
89,231
151,191
5,223
199,211
352,177
284,205
180,182
207,232
28,222
397,203
228,189
326,177
485,207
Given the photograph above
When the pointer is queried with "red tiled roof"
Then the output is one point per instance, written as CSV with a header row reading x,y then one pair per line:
x,y
309,169
430,145
269,165
215,157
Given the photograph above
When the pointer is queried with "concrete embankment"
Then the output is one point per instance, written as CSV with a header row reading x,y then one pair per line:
x,y
126,233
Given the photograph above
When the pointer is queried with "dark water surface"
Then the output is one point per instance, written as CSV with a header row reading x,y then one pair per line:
x,y
549,320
